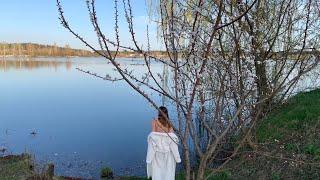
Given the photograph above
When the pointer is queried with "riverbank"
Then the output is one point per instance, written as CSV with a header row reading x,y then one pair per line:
x,y
287,143
22,167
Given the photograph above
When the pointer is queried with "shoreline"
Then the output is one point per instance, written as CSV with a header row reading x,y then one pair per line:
x,y
23,166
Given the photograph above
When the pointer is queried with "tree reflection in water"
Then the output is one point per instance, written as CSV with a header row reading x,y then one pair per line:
x,y
30,64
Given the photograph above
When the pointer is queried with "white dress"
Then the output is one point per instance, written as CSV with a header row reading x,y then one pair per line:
x,y
162,155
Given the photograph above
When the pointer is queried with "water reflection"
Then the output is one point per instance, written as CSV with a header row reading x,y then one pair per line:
x,y
30,64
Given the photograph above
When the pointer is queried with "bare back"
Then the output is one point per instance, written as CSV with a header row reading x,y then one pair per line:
x,y
158,127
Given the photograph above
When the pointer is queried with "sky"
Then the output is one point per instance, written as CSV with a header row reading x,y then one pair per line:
x,y
37,21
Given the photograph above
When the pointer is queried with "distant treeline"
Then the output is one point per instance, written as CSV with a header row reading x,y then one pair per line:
x,y
32,49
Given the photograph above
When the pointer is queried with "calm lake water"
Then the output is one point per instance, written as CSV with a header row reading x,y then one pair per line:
x,y
82,123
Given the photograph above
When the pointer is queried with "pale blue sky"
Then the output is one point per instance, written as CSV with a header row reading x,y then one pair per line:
x,y
37,21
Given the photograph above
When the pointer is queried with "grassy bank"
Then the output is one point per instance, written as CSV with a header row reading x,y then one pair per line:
x,y
21,167
288,143
15,167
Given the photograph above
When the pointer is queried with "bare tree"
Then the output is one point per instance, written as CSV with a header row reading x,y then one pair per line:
x,y
229,63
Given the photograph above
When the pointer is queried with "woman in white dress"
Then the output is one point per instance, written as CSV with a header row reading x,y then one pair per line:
x,y
162,154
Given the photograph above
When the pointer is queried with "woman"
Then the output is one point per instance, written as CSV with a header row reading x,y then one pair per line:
x,y
163,153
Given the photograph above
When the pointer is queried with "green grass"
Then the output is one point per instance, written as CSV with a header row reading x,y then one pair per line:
x,y
133,178
275,176
15,167
290,135
223,175
299,114
106,172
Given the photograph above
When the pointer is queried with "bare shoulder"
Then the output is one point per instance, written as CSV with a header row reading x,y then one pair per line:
x,y
154,121
153,124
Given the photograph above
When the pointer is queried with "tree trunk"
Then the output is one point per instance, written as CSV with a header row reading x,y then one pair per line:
x,y
262,82
187,165
202,168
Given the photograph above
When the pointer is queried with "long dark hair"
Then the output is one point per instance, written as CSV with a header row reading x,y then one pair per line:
x,y
164,120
